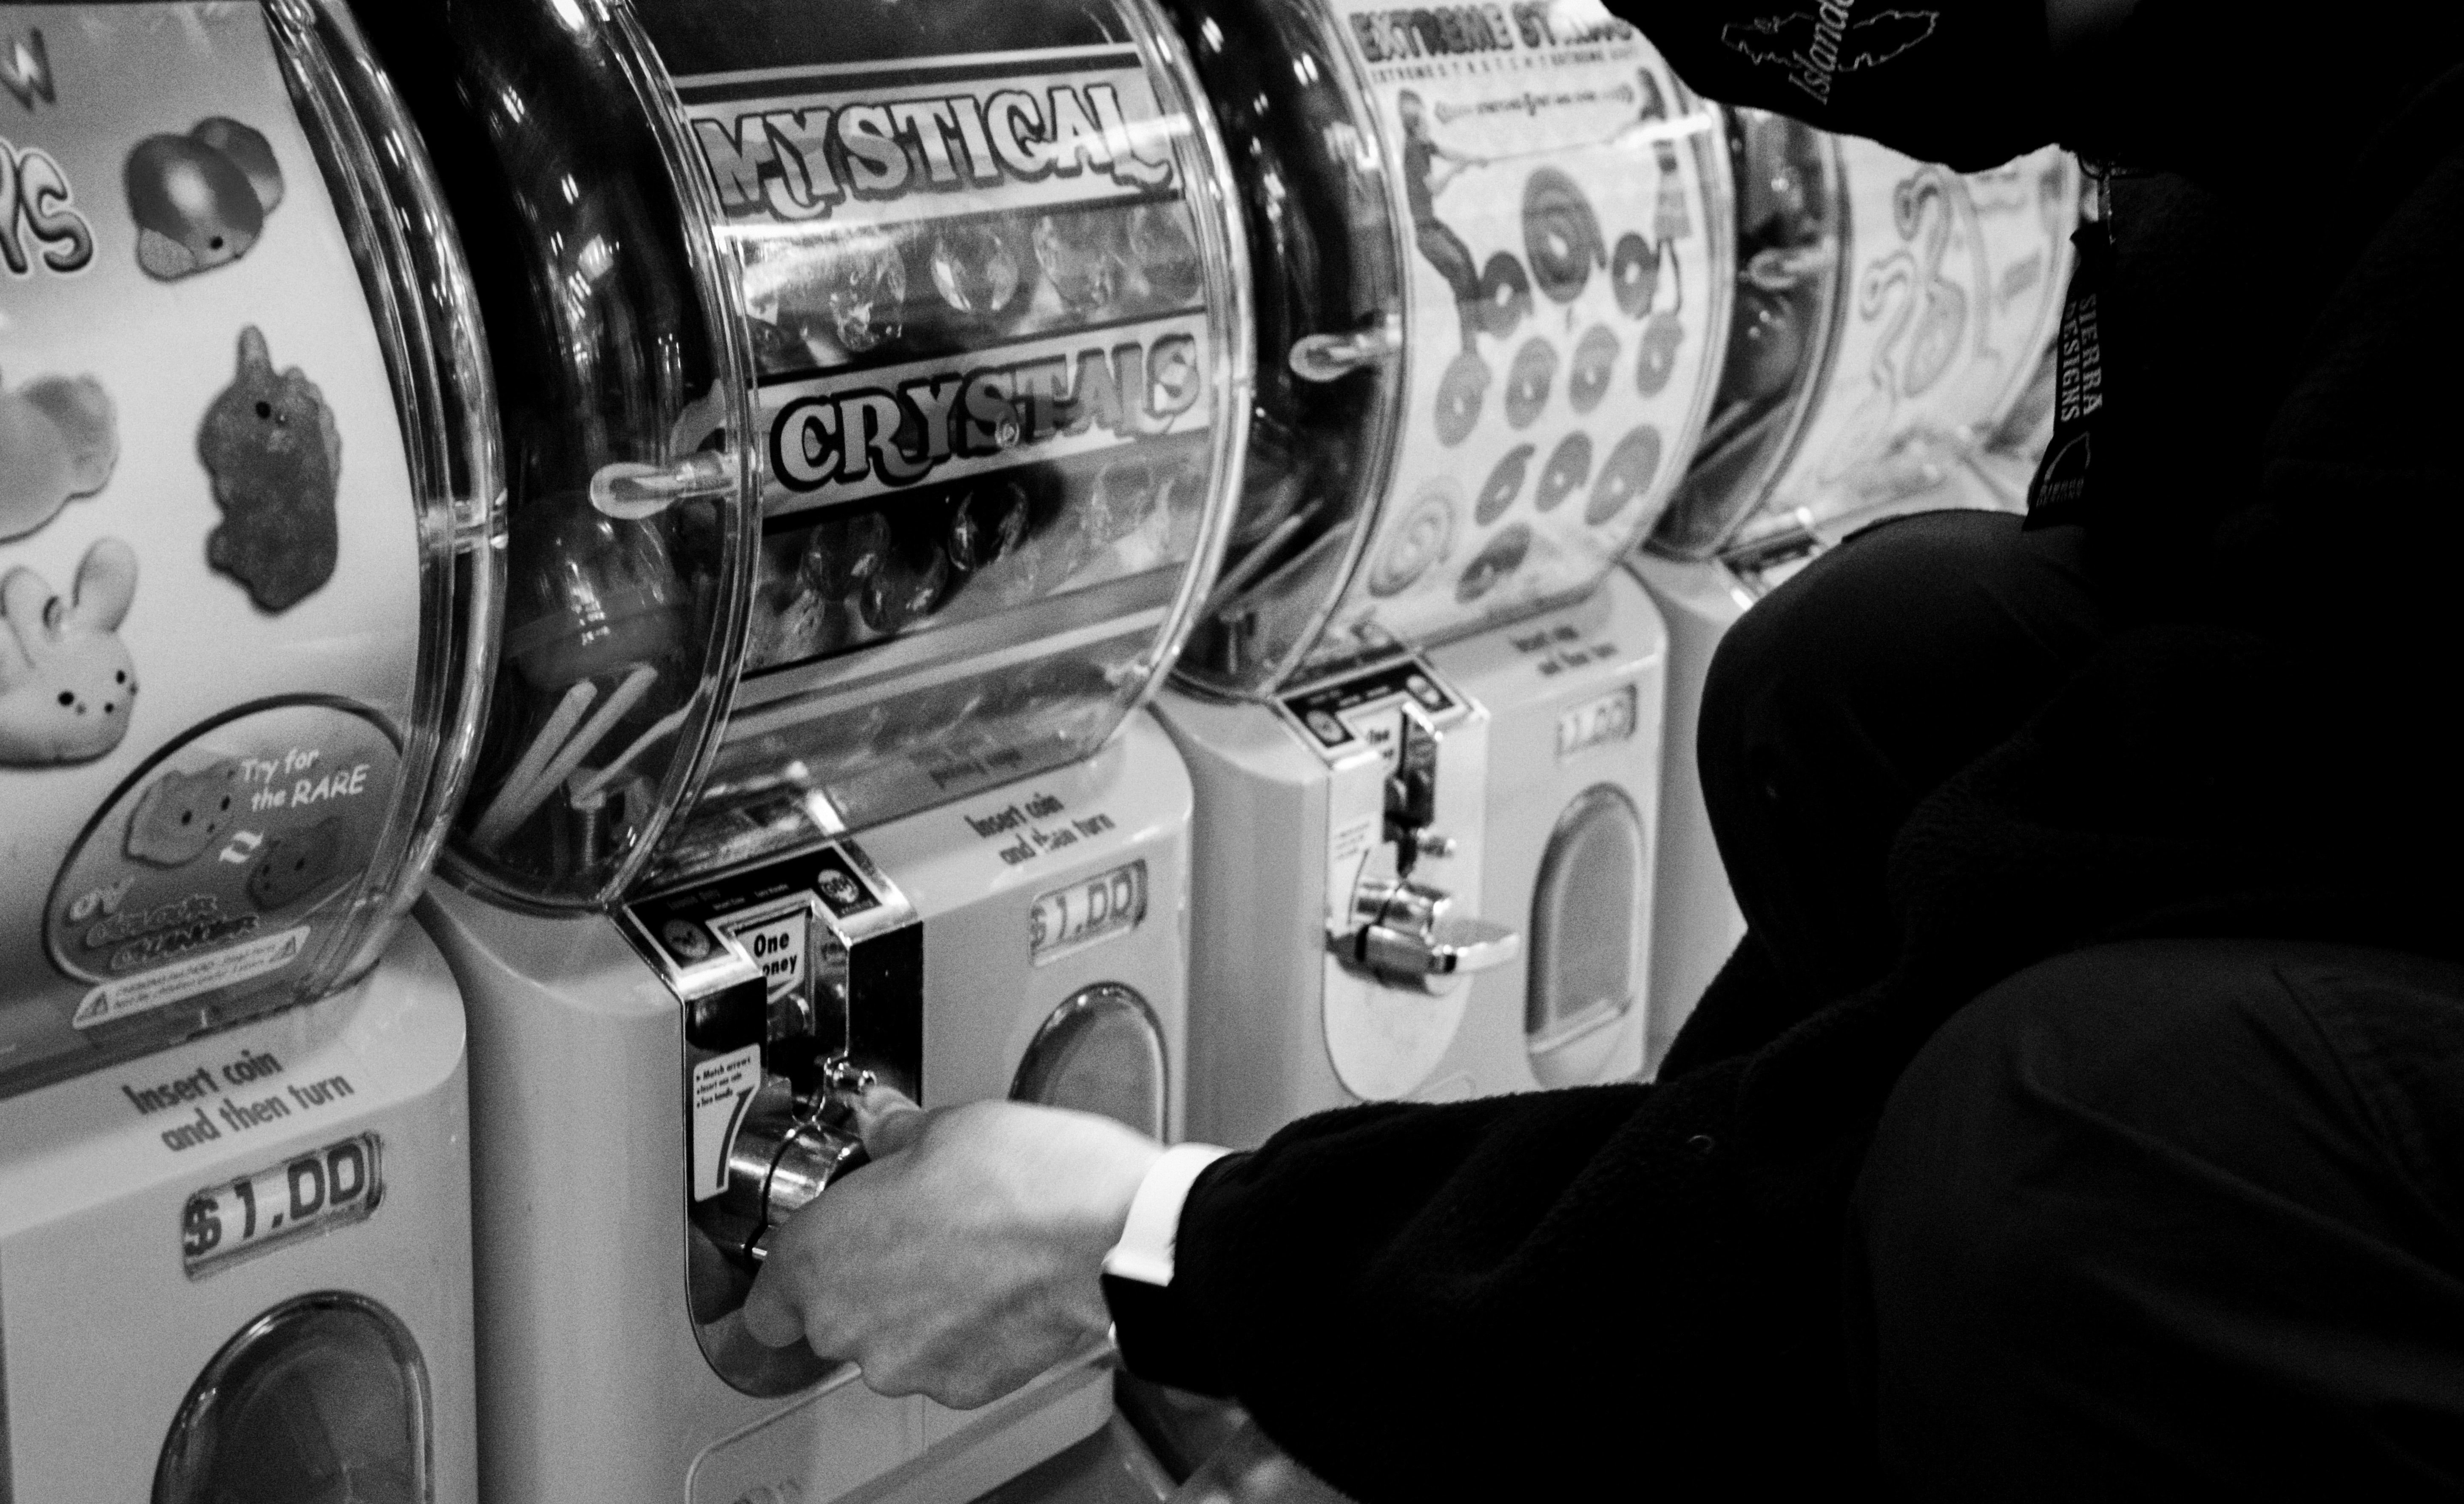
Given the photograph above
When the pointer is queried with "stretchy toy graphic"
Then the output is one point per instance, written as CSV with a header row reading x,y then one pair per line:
x,y
1505,295
1634,271
57,442
67,683
1502,556
1926,316
1505,484
1461,392
1594,367
1529,382
1428,168
1423,540
270,442
1627,473
1663,335
1561,234
200,199
1568,466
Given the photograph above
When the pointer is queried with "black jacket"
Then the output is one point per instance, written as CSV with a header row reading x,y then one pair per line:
x,y
1514,1297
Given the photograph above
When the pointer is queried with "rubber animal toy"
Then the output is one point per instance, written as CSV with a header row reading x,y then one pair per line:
x,y
200,199
57,442
270,442
67,683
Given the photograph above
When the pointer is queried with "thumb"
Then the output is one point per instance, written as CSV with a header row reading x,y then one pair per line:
x,y
770,1315
888,1122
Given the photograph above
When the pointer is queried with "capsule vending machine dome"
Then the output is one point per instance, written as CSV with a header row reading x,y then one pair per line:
x,y
248,497
1493,269
1891,353
866,370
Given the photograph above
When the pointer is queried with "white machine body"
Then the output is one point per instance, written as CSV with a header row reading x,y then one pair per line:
x,y
585,1311
247,489
141,1292
873,464
1424,718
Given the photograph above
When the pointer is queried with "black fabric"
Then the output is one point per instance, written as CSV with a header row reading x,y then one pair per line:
x,y
2058,1217
1836,703
1965,82
1518,1295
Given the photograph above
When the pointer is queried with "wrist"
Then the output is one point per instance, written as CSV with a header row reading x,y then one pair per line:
x,y
1105,1169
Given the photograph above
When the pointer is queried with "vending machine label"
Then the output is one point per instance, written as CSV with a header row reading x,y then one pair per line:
x,y
1566,303
209,556
722,1088
955,263
1345,717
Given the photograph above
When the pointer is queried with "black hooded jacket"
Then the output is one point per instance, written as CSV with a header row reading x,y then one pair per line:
x,y
1504,1297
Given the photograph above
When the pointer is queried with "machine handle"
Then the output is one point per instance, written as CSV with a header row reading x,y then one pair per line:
x,y
1452,948
1778,269
630,490
1405,935
1331,357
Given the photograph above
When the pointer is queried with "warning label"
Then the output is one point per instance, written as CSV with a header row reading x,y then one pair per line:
x,y
160,987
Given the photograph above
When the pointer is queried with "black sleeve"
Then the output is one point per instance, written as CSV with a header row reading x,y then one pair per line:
x,y
1964,82
1498,1299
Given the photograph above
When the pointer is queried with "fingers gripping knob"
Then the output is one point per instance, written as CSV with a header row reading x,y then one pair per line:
x,y
778,1166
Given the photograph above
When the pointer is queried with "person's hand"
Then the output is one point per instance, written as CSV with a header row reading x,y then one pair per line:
x,y
963,1260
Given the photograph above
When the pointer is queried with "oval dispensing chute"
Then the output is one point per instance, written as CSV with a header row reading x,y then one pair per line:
x,y
873,374
249,477
1100,1052
1496,264
320,1400
1587,936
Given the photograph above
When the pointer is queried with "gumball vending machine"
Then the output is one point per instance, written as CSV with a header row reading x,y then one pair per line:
x,y
247,492
1889,354
1422,712
869,379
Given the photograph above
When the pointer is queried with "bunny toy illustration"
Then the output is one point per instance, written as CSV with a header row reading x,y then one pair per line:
x,y
67,683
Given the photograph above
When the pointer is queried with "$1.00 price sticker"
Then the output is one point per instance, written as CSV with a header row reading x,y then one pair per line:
x,y
306,1194
1075,917
1613,717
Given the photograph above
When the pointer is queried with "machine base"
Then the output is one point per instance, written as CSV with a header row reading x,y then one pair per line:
x,y
115,1294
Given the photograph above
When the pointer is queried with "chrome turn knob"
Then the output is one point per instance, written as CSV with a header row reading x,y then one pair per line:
x,y
1405,935
778,1166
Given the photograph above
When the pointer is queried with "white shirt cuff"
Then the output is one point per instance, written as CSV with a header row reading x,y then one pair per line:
x,y
1144,1253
